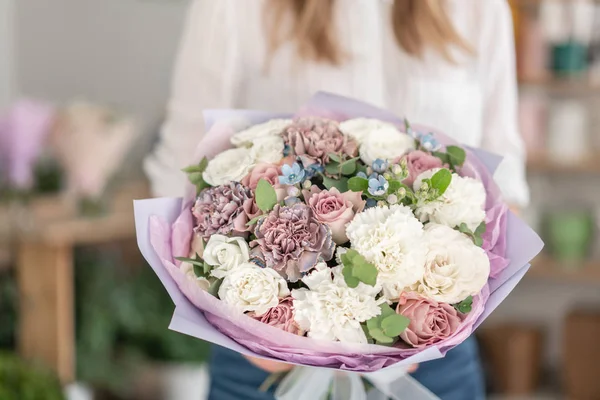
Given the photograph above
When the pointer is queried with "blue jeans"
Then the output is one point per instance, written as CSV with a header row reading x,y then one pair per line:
x,y
458,376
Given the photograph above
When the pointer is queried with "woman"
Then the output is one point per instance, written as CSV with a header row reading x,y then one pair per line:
x,y
446,64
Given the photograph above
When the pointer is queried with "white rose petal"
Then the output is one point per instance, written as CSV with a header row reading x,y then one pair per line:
x,y
229,166
273,127
188,270
249,287
386,143
463,202
361,128
391,238
330,310
267,149
225,253
455,267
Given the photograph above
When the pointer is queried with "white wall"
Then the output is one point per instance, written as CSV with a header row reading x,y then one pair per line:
x,y
7,78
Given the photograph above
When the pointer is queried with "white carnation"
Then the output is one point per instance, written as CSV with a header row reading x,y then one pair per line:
x,y
225,253
455,268
330,310
267,149
188,270
463,202
230,165
391,238
361,128
249,287
386,143
273,127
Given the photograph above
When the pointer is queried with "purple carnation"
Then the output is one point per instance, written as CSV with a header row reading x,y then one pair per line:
x,y
292,241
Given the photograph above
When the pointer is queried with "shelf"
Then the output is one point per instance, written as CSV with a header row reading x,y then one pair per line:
x,y
545,268
543,164
567,86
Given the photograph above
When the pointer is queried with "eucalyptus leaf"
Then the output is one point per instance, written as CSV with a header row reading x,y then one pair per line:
x,y
373,323
265,195
350,279
394,325
340,184
335,157
480,231
379,336
441,180
386,310
348,167
366,273
254,220
332,168
351,254
456,155
358,184
478,241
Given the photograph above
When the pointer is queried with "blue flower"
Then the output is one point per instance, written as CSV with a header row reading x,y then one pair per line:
x,y
371,203
362,175
380,165
313,170
290,201
378,186
429,143
291,175
287,150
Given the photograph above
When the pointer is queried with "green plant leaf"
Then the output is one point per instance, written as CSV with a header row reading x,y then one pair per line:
x,y
379,336
480,231
373,323
444,157
394,186
254,220
358,184
350,279
367,334
333,168
348,167
394,325
456,155
340,184
198,261
206,268
386,310
465,305
351,254
365,272
441,180
198,271
478,241
214,287
335,157
265,195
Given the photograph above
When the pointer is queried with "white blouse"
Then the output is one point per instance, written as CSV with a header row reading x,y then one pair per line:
x,y
221,64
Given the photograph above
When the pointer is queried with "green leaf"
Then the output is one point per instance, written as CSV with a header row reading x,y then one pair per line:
x,y
480,231
365,272
199,262
340,184
394,325
386,310
254,220
394,186
444,157
373,323
332,168
265,195
348,167
465,305
441,180
350,279
358,184
367,334
214,287
456,155
198,271
206,268
478,241
335,157
351,254
379,336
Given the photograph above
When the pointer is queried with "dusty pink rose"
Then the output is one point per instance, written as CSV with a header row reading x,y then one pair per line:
x,y
291,241
313,139
430,321
417,162
334,209
220,209
268,172
281,316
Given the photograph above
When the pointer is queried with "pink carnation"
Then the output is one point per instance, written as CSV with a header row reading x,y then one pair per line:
x,y
417,162
291,241
430,321
281,316
313,139
334,209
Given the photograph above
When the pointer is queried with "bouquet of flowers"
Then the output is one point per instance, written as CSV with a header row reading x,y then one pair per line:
x,y
341,237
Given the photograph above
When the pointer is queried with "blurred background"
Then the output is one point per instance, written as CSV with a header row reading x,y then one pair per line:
x,y
83,317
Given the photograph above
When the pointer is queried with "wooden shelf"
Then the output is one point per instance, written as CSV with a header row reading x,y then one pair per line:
x,y
545,268
543,164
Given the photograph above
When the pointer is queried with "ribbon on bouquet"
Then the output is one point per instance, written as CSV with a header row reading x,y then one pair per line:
x,y
310,383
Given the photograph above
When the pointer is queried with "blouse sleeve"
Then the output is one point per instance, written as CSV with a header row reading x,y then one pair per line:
x,y
500,124
204,77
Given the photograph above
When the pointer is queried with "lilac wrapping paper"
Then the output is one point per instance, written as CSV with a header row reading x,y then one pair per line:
x,y
164,230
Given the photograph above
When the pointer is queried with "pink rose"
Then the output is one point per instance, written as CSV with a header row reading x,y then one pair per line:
x,y
334,209
417,162
281,316
268,172
430,321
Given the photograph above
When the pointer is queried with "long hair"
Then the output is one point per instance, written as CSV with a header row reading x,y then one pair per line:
x,y
417,25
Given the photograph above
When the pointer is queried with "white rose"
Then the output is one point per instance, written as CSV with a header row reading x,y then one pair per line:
x,y
188,270
390,238
455,267
463,202
361,128
249,287
267,149
230,165
273,127
330,310
225,253
386,143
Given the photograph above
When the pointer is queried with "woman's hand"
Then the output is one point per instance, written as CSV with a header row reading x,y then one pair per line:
x,y
275,367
